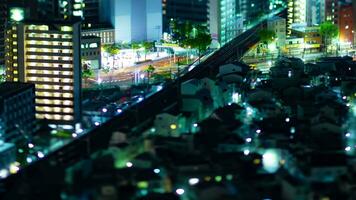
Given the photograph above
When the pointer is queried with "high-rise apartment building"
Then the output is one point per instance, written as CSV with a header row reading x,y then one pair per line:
x,y
91,11
346,23
48,55
3,19
315,12
297,12
194,11
331,11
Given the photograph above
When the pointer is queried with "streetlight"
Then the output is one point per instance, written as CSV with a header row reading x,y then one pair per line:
x,y
188,55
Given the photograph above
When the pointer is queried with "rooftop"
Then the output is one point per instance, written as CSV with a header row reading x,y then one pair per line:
x,y
8,89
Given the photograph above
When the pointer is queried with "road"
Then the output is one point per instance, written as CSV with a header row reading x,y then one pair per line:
x,y
125,77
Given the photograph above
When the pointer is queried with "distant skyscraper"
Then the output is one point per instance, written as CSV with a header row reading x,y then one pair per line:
x,y
134,20
195,11
48,55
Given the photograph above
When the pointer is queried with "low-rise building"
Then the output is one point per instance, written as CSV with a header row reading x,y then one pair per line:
x,y
312,38
278,25
17,110
169,125
106,33
294,45
199,97
7,154
91,51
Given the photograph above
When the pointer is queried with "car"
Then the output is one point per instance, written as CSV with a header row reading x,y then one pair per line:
x,y
137,98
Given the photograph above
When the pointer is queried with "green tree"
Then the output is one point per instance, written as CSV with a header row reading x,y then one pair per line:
x,y
135,46
87,73
2,78
266,36
114,50
148,47
149,70
201,42
328,31
111,49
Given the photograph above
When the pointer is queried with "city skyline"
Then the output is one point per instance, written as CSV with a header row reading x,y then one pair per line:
x,y
177,99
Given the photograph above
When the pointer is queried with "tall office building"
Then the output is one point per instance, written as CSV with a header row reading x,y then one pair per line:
x,y
71,8
250,10
228,18
194,11
278,25
48,55
315,12
331,11
91,11
3,19
134,20
225,20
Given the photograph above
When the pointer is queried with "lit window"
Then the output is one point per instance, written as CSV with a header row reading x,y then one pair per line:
x,y
67,117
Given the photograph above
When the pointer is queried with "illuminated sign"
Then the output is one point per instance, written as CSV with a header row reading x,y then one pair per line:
x,y
17,14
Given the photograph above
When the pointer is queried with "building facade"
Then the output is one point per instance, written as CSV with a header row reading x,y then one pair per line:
x,y
315,12
278,25
48,55
312,38
225,20
91,11
3,19
7,154
229,18
106,34
91,51
251,10
194,11
134,20
346,23
331,11
71,8
17,110
297,10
